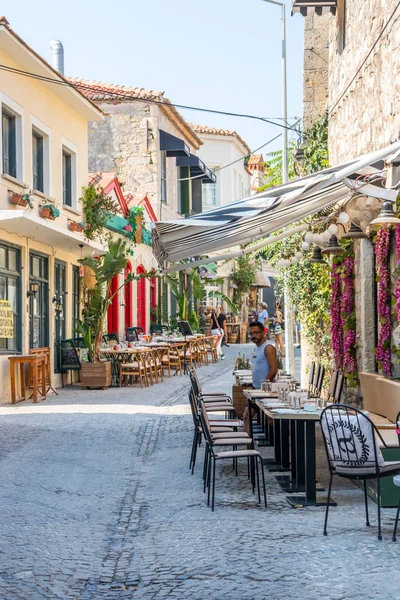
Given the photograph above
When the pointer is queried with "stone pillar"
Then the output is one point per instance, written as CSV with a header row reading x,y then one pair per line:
x,y
316,57
365,304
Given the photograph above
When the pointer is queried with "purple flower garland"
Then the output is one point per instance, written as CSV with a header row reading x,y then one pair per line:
x,y
348,317
397,290
382,248
336,319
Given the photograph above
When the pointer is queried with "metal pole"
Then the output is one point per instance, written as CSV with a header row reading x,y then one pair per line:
x,y
284,99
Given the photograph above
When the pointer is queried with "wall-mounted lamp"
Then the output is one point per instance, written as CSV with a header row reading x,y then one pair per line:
x,y
386,216
354,233
58,304
33,288
317,257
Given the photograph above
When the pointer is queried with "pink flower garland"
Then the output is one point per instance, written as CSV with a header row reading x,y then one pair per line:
x,y
336,319
348,317
382,247
397,290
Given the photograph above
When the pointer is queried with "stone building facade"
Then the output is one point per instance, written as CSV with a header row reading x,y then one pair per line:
x,y
315,78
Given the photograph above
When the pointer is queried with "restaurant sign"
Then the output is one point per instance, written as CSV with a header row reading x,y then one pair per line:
x,y
6,320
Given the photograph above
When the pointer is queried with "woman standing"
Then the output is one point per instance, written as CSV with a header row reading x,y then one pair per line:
x,y
279,329
216,330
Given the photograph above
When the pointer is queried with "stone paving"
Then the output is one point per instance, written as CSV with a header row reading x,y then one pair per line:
x,y
97,502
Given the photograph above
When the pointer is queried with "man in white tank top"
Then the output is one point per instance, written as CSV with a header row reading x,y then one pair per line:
x,y
264,362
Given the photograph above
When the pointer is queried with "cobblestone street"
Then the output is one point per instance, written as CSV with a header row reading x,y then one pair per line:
x,y
97,501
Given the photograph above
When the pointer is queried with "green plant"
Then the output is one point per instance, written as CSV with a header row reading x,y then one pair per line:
x,y
99,298
28,198
243,276
97,208
273,167
315,146
134,213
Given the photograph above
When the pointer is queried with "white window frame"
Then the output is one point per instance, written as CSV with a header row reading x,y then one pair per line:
x,y
72,149
37,126
18,112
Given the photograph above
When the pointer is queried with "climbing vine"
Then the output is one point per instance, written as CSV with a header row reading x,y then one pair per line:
x,y
97,209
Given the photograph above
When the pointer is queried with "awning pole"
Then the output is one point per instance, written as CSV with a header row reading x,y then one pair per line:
x,y
266,242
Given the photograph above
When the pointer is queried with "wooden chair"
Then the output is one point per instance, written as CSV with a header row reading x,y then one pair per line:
x,y
46,353
133,370
158,354
175,361
165,354
202,351
211,345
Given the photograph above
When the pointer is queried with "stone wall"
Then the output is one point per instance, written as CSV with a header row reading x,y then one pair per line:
x,y
368,116
316,54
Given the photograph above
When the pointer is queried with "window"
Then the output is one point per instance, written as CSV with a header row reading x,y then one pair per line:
x,y
37,161
163,158
67,177
76,298
10,295
39,303
59,316
209,193
9,143
183,190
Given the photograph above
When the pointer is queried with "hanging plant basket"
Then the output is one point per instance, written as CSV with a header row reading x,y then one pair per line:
x,y
139,229
46,213
17,199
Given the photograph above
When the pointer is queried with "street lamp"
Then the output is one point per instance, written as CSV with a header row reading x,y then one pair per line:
x,y
284,91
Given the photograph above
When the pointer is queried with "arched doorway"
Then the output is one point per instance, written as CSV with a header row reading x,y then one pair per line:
x,y
141,299
153,300
128,297
113,309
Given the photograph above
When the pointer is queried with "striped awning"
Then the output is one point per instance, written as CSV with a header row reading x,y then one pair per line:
x,y
257,216
320,7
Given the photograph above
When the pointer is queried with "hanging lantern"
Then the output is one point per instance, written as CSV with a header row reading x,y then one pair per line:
x,y
308,237
333,246
343,218
355,233
386,216
317,257
299,255
305,246
333,229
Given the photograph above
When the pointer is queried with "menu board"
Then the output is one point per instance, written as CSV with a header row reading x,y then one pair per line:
x,y
6,320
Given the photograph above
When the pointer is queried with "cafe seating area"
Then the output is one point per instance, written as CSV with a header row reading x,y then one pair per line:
x,y
362,446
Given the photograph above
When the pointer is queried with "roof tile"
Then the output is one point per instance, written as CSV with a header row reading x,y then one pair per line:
x,y
205,129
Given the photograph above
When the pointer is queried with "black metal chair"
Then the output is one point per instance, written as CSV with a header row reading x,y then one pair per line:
x,y
211,457
311,377
69,360
110,337
157,328
350,439
132,333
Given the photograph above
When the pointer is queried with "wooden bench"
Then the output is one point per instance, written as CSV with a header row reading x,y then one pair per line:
x,y
382,401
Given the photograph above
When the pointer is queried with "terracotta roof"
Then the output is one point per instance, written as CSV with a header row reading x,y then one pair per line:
x,y
97,91
216,131
256,159
6,24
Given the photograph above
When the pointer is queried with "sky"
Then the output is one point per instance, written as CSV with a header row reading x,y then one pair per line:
x,y
218,54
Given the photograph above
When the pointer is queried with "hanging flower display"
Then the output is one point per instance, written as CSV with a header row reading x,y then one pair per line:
x,y
343,315
382,248
336,320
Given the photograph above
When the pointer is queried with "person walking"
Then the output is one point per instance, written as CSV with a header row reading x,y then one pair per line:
x,y
221,318
216,330
279,329
263,316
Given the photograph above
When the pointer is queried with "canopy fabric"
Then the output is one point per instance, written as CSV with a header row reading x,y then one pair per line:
x,y
173,145
257,216
197,168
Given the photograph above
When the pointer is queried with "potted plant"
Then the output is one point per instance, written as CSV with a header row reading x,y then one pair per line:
x,y
49,211
21,199
73,225
97,372
81,227
136,217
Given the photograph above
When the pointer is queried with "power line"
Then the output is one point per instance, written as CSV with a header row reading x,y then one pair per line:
x,y
121,96
366,58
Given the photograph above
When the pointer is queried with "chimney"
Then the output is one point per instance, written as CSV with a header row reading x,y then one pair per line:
x,y
58,55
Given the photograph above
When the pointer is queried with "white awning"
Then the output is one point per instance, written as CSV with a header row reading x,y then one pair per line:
x,y
26,224
257,216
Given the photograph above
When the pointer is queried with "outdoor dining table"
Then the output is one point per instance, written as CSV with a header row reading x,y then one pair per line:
x,y
303,453
121,355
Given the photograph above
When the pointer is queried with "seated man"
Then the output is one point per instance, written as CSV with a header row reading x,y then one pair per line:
x,y
264,363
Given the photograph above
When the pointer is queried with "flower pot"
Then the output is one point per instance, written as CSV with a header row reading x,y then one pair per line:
x,y
17,199
96,375
80,229
139,230
46,213
73,226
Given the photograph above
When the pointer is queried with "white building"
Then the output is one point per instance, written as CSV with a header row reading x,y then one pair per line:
x,y
222,147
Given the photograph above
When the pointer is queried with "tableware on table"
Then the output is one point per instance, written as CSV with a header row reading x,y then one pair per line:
x,y
310,407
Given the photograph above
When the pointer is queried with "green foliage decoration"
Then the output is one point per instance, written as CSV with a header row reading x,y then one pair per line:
x,y
243,276
97,208
315,146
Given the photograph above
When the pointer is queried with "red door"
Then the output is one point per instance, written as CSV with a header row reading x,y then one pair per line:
x,y
141,299
128,298
113,309
153,300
